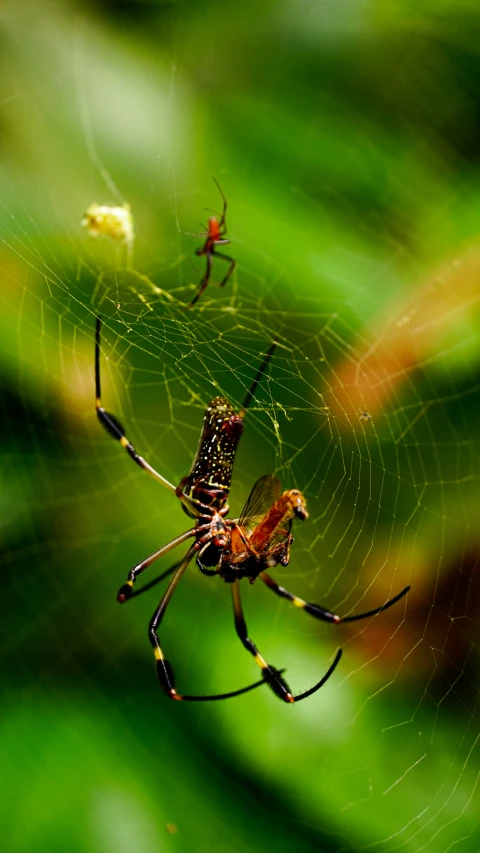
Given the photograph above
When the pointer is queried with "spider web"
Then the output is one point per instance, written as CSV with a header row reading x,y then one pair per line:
x,y
369,406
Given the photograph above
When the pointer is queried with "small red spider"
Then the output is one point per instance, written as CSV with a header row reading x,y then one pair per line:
x,y
215,236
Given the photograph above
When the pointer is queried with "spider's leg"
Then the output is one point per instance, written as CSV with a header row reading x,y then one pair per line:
x,y
155,581
271,675
191,234
321,612
115,429
217,696
204,282
126,591
322,681
165,672
224,211
164,668
254,385
195,507
380,609
231,268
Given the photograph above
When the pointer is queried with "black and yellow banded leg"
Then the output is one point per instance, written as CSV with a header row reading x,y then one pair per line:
x,y
321,612
165,673
115,429
164,669
271,675
313,609
126,591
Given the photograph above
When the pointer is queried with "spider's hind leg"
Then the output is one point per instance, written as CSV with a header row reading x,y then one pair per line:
x,y
165,672
271,675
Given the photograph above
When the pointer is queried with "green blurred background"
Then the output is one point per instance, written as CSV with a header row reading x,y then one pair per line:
x,y
346,137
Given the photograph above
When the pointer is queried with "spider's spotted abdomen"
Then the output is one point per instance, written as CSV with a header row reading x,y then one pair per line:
x,y
211,474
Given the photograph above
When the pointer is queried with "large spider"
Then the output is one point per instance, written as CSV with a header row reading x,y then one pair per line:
x,y
214,236
204,492
258,540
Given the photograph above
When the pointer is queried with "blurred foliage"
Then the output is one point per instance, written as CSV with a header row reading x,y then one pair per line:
x,y
346,138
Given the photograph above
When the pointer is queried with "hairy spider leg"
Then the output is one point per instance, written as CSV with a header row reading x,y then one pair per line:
x,y
115,429
271,675
165,673
321,612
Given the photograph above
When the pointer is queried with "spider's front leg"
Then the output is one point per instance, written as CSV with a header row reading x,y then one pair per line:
x,y
115,429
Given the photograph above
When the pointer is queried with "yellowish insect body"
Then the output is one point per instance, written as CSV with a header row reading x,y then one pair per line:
x,y
115,222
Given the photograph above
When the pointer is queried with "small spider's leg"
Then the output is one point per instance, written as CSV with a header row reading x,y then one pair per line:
x,y
322,681
321,612
254,385
231,268
204,282
221,222
191,234
125,592
271,675
165,672
114,427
